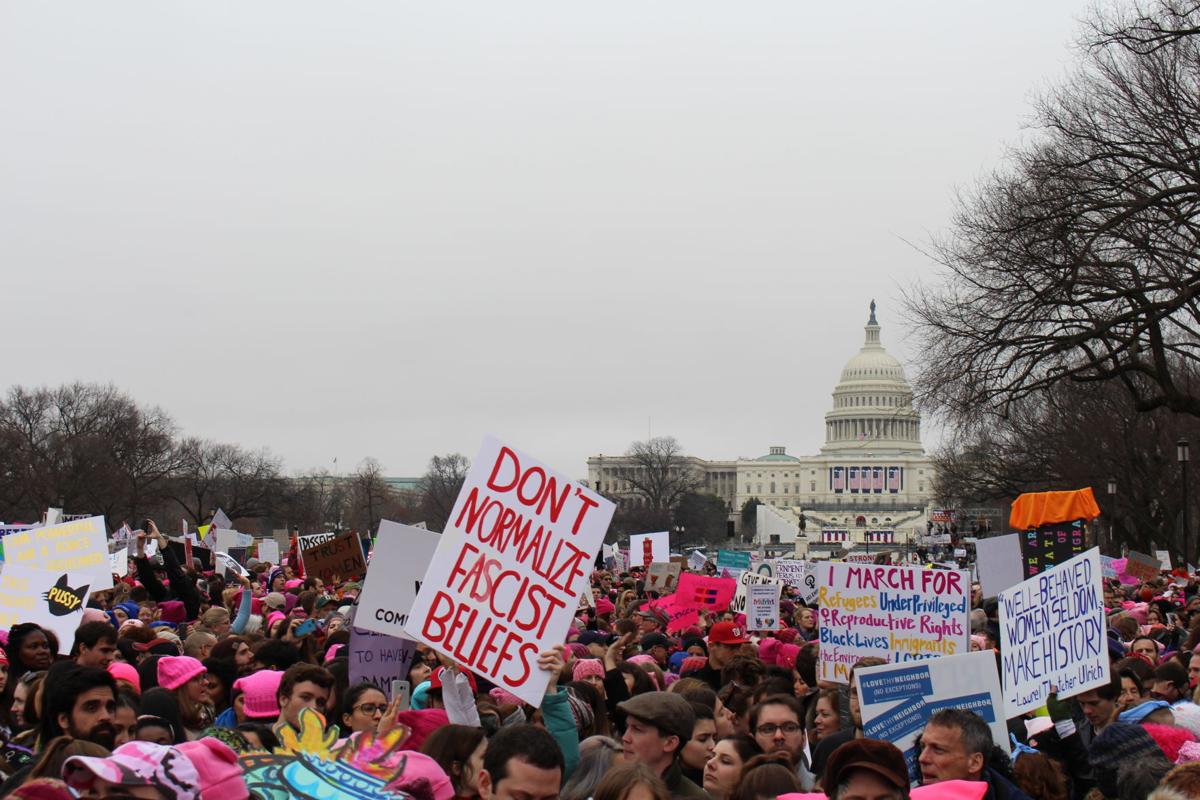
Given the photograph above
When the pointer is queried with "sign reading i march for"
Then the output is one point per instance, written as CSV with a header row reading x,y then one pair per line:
x,y
895,613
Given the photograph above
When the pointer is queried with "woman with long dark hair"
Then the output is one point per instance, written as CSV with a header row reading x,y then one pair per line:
x,y
459,750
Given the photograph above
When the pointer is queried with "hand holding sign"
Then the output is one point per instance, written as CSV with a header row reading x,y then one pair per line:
x,y
552,661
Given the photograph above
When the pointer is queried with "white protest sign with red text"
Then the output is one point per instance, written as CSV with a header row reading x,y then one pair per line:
x,y
505,580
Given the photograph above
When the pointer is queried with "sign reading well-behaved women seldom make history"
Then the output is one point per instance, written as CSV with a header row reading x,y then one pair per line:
x,y
895,613
1052,634
505,580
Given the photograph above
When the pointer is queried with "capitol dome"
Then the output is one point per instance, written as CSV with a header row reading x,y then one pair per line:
x,y
872,403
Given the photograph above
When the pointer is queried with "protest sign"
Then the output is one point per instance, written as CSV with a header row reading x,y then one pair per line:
x,y
1052,634
897,700
762,607
646,548
704,593
1108,566
313,539
402,555
895,613
183,549
80,546
342,556
118,561
763,567
268,550
1164,559
379,659
228,564
1050,545
1141,566
221,520
506,576
662,578
225,540
735,561
747,578
53,600
697,560
801,575
999,561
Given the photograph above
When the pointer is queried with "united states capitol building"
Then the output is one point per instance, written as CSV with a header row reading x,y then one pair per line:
x,y
870,484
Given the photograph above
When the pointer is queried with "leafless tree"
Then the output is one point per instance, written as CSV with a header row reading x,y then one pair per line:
x,y
369,496
1073,436
660,473
88,448
242,482
1077,262
439,488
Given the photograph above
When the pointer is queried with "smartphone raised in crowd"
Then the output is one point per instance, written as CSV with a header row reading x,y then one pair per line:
x,y
305,628
400,689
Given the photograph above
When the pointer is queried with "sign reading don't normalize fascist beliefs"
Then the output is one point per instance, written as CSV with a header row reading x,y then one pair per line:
x,y
505,580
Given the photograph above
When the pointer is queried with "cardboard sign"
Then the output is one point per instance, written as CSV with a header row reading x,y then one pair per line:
x,y
506,577
118,561
747,578
733,560
646,548
697,560
268,550
662,578
999,561
341,556
897,700
1141,566
763,567
1051,545
896,613
80,546
1052,634
762,607
53,600
402,555
226,540
379,659
1164,559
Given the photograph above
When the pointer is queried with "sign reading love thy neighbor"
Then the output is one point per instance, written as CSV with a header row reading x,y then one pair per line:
x,y
402,555
79,546
1052,634
53,600
896,613
505,580
897,700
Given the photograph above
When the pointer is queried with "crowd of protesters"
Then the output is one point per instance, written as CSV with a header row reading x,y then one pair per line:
x,y
175,675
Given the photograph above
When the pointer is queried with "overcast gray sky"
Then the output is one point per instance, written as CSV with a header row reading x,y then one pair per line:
x,y
388,228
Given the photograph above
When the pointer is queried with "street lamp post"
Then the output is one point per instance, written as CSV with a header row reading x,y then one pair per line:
x,y
1183,455
1112,500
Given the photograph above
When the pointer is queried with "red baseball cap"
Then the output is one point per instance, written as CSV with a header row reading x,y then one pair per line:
x,y
727,633
435,680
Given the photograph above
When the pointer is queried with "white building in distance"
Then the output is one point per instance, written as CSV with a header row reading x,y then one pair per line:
x,y
870,484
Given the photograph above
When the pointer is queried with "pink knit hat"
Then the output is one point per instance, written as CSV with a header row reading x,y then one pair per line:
x,y
220,773
175,671
586,668
604,606
122,671
172,611
785,656
272,618
260,693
